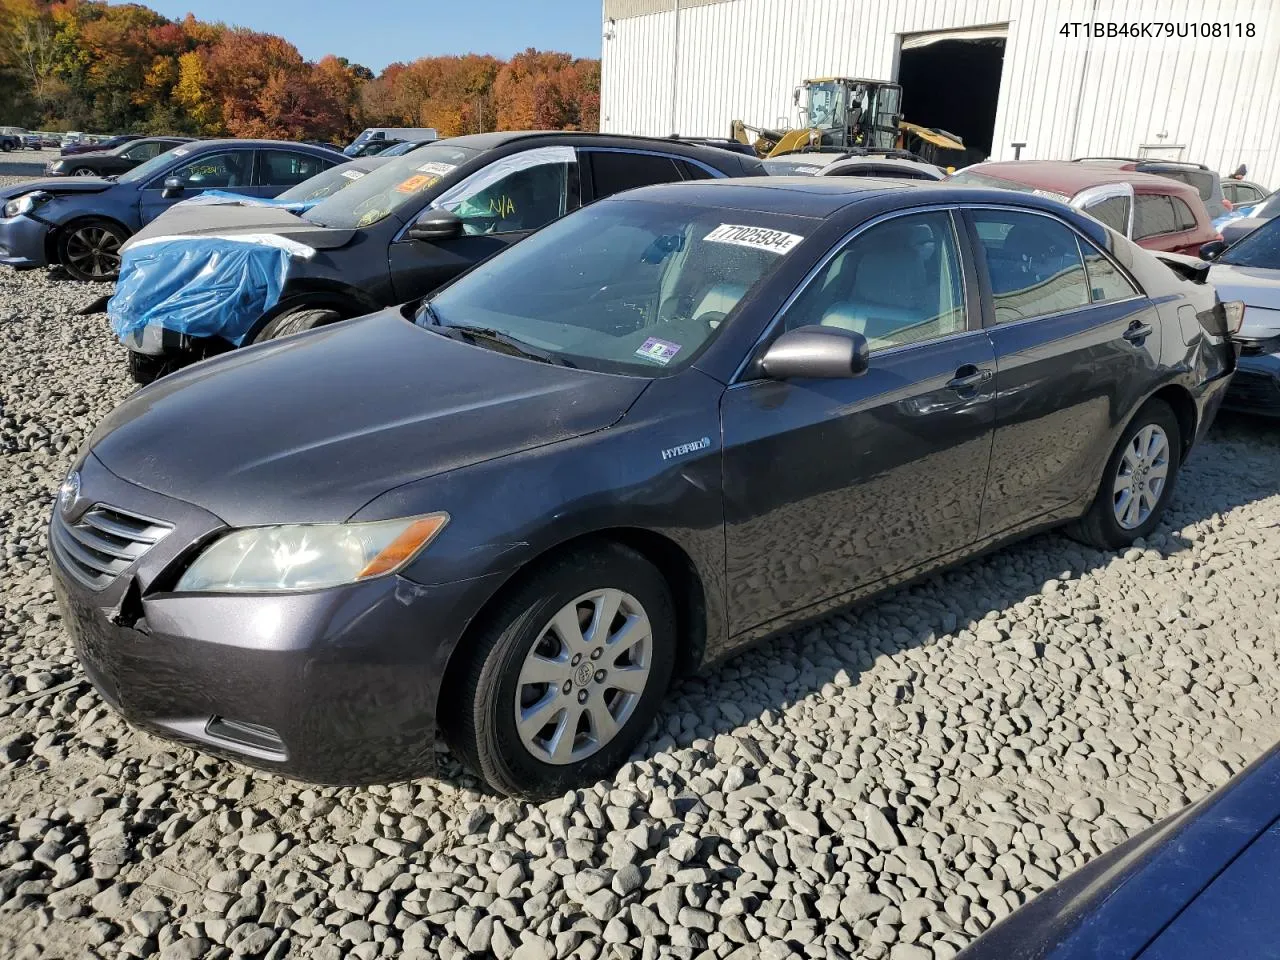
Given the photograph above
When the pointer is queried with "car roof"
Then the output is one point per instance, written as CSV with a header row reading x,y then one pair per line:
x,y
490,141
1068,178
795,196
237,142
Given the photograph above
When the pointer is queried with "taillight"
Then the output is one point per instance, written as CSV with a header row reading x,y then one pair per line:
x,y
1233,313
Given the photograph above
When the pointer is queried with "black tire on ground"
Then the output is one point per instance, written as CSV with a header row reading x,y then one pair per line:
x,y
297,321
1100,527
6,145
144,368
89,249
478,713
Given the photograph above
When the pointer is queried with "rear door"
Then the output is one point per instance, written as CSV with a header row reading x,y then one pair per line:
x,y
1059,352
499,205
611,170
278,170
833,485
1165,223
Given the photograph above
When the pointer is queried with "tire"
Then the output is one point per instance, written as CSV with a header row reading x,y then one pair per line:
x,y
1113,520
297,320
478,713
82,172
90,249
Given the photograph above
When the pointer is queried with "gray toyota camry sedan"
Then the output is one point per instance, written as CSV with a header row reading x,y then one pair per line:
x,y
669,424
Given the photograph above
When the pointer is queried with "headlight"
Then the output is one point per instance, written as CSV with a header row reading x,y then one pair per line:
x,y
307,556
20,205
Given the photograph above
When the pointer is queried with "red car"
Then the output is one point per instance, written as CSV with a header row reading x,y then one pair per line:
x,y
1154,211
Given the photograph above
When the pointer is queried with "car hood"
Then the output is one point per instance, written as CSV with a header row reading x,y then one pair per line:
x,y
220,220
313,427
58,185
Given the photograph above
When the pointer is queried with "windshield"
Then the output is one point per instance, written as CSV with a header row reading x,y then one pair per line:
x,y
144,171
826,101
323,184
1260,248
622,286
1268,208
388,189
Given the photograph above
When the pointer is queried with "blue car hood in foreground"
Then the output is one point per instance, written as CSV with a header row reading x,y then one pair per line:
x,y
1172,893
312,427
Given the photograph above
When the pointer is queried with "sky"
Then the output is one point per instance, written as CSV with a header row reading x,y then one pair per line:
x,y
378,32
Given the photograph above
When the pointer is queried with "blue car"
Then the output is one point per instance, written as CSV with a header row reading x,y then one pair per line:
x,y
1201,884
81,222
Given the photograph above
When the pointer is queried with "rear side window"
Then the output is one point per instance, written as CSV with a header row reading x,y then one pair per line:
x,y
692,171
1106,282
1033,262
1186,219
284,168
1113,211
614,172
1153,215
1200,179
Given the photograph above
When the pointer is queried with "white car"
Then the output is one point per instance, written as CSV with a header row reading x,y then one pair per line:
x,y
846,165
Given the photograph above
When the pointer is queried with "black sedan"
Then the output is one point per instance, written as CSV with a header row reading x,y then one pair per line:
x,y
114,161
663,427
1201,884
72,147
390,237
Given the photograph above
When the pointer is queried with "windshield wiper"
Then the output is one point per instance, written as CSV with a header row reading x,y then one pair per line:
x,y
489,335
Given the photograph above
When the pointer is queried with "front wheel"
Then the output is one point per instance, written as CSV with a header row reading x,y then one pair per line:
x,y
90,249
566,674
297,321
1137,483
83,172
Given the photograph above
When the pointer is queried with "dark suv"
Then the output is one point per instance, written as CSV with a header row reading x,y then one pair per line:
x,y
392,236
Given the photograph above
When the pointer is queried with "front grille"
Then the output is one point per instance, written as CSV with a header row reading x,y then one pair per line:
x,y
1256,391
104,542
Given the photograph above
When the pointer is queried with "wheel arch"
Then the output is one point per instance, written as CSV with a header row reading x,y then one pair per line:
x,y
1180,400
53,239
320,294
671,560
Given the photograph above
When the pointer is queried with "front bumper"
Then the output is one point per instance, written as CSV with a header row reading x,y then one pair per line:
x,y
1256,385
22,242
336,686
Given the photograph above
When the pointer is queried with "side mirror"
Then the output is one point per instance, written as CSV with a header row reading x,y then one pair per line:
x,y
435,225
819,353
173,187
1213,249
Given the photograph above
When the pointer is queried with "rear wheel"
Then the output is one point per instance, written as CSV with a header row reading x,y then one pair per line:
x,y
1137,483
297,321
90,249
566,675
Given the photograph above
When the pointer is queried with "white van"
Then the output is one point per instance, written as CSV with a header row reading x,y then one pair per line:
x,y
389,133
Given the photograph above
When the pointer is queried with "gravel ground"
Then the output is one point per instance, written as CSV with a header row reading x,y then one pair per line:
x,y
886,784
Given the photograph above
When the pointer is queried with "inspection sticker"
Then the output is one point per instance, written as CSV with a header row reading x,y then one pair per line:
x,y
436,167
758,238
353,174
419,181
659,351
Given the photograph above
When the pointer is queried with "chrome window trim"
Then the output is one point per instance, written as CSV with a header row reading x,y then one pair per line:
x,y
836,249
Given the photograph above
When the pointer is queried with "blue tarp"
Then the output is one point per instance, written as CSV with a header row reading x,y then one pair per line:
x,y
203,286
225,198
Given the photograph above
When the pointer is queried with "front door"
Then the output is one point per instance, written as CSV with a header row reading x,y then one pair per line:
x,y
230,170
498,205
832,485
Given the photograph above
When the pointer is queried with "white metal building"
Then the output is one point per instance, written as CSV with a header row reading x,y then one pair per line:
x,y
996,72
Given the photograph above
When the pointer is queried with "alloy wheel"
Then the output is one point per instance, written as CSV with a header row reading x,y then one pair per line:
x,y
1140,477
84,172
94,251
583,676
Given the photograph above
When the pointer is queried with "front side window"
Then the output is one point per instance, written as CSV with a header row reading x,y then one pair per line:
x,y
623,286
896,283
1113,211
1153,215
516,193
215,171
1033,263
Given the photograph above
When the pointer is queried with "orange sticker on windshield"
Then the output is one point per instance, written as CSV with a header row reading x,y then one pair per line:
x,y
415,183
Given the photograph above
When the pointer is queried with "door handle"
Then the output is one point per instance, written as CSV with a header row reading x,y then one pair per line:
x,y
968,377
1138,332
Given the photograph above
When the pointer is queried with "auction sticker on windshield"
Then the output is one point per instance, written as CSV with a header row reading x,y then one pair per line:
x,y
415,183
758,238
659,351
436,167
353,174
